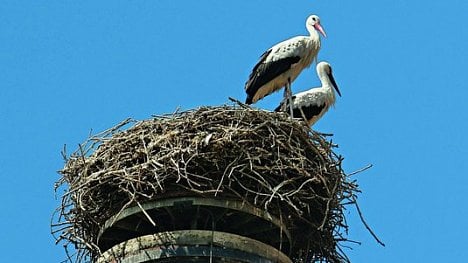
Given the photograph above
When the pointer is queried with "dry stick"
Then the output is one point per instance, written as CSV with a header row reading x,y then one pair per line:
x,y
328,207
275,190
67,253
243,105
82,155
365,224
343,255
325,217
360,170
63,152
324,134
146,214
224,174
116,216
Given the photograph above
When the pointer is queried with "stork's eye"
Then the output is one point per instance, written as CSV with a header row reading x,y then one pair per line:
x,y
313,18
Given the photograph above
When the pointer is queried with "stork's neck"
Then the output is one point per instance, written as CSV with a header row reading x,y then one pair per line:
x,y
314,35
326,83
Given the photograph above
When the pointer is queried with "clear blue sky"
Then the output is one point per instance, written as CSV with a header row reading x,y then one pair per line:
x,y
67,67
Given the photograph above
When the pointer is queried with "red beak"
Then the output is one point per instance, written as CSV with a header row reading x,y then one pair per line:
x,y
319,28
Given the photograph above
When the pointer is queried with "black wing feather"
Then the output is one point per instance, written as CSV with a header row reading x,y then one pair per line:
x,y
309,111
264,72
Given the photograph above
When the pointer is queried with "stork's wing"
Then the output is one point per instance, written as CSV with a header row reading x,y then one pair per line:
x,y
265,71
309,111
284,104
301,110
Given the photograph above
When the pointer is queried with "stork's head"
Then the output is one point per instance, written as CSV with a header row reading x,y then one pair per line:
x,y
324,69
313,23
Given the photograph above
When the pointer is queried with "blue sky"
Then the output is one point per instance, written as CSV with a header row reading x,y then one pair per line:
x,y
69,67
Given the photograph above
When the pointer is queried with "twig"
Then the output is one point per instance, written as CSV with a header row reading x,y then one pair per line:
x,y
243,105
146,214
360,170
365,224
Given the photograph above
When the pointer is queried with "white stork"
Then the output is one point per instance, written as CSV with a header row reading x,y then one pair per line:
x,y
312,104
281,64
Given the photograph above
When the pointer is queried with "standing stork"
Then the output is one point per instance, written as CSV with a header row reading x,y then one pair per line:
x,y
281,64
312,104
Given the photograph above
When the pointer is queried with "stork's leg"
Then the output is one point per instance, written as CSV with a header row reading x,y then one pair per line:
x,y
284,107
289,98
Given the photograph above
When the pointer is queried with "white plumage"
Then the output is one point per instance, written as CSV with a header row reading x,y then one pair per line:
x,y
312,104
281,64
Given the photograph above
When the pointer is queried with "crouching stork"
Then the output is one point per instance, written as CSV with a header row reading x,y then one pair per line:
x,y
310,105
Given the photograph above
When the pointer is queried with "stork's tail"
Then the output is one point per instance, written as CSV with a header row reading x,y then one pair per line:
x,y
248,100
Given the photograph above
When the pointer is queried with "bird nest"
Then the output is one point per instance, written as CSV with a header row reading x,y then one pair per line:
x,y
261,158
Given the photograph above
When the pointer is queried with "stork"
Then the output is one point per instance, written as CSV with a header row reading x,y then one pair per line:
x,y
312,104
281,64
